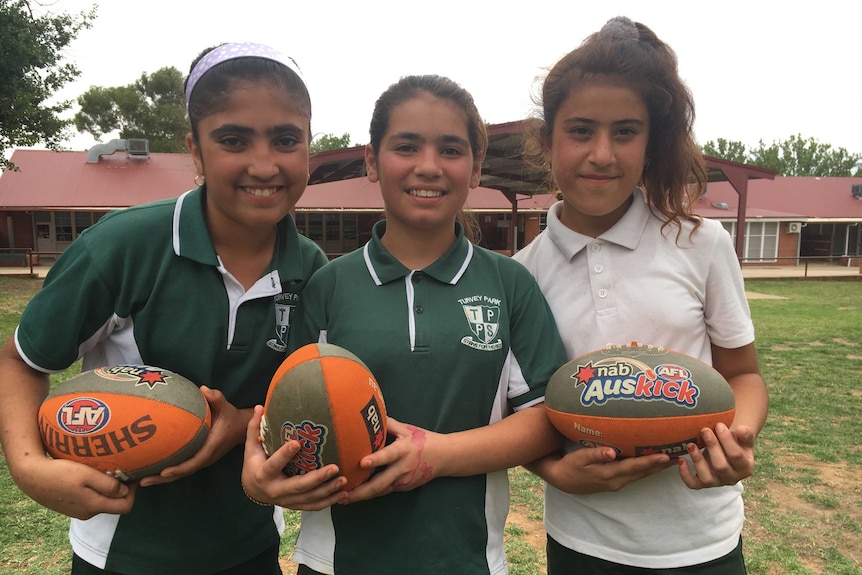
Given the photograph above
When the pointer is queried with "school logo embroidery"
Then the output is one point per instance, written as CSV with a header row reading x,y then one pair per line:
x,y
483,316
140,374
311,437
283,313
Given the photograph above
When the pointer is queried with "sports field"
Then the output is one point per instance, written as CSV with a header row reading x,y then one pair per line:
x,y
804,502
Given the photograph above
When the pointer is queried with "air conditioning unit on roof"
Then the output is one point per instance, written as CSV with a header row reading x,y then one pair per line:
x,y
138,147
794,227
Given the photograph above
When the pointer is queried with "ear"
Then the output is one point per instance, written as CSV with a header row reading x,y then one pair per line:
x,y
545,142
196,154
371,164
476,176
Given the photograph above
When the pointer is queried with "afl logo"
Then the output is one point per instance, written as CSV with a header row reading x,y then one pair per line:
x,y
83,415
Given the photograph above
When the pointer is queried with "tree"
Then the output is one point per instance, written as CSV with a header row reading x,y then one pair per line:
x,y
796,156
726,150
329,142
152,107
32,70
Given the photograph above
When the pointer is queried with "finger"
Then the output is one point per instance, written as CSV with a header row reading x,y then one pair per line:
x,y
383,457
214,397
116,499
700,461
253,443
379,484
592,455
685,473
107,486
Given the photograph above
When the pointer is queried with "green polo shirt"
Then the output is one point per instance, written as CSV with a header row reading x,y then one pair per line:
x,y
145,285
455,346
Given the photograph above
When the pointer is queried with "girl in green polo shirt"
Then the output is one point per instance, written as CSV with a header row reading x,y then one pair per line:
x,y
202,285
460,340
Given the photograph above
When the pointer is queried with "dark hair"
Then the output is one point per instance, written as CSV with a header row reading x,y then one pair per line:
x,y
408,88
218,81
629,54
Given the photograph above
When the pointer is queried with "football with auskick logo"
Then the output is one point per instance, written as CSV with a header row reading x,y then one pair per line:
x,y
129,421
325,397
638,399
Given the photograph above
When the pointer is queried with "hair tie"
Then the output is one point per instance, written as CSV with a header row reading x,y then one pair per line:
x,y
619,28
231,51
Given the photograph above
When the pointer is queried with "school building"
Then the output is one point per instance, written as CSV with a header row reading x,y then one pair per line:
x,y
54,196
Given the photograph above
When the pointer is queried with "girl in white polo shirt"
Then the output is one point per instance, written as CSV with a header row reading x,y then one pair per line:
x,y
624,259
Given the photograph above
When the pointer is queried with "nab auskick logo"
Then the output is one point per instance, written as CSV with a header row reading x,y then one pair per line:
x,y
83,415
483,317
311,437
139,374
619,378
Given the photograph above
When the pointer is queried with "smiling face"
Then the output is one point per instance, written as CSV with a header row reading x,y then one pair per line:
x,y
253,152
424,165
597,151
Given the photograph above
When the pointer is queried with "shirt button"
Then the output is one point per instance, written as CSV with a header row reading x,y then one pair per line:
x,y
418,309
603,293
595,246
417,277
598,268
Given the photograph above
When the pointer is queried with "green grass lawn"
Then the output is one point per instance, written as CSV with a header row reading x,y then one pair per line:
x,y
803,504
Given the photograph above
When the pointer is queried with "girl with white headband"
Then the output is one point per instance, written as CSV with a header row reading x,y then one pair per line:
x,y
202,285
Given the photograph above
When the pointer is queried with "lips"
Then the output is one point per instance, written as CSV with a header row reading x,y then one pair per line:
x,y
260,192
425,193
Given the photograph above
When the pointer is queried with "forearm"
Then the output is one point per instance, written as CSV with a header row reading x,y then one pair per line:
x,y
752,401
520,438
22,391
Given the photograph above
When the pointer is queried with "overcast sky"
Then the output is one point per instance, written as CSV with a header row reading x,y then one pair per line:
x,y
758,69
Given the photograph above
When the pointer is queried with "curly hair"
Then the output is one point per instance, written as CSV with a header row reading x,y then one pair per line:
x,y
629,54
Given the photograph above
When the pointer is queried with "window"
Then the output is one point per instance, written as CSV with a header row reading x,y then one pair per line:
x,y
63,226
83,220
761,241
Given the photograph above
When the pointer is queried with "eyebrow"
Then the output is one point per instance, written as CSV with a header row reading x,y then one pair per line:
x,y
248,131
414,137
591,121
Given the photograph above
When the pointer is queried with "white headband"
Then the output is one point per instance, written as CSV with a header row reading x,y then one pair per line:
x,y
231,51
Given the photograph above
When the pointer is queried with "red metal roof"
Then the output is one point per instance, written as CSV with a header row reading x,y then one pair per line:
x,y
50,180
64,180
786,198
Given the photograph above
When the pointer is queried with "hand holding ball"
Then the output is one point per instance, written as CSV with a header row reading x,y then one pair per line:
x,y
637,399
129,421
325,398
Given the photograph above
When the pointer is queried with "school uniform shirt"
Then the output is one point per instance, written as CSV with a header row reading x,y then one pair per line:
x,y
145,286
634,283
454,346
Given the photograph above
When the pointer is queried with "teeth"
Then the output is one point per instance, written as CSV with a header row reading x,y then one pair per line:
x,y
261,192
425,193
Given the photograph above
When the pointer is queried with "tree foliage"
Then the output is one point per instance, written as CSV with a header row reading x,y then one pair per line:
x,y
152,107
795,156
32,70
329,142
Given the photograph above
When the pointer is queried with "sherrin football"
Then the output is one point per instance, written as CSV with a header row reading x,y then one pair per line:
x,y
129,421
637,399
324,397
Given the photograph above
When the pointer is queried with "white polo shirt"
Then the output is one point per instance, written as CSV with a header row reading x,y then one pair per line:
x,y
637,282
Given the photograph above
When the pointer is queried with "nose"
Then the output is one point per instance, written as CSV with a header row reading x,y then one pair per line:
x,y
262,163
602,152
428,163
